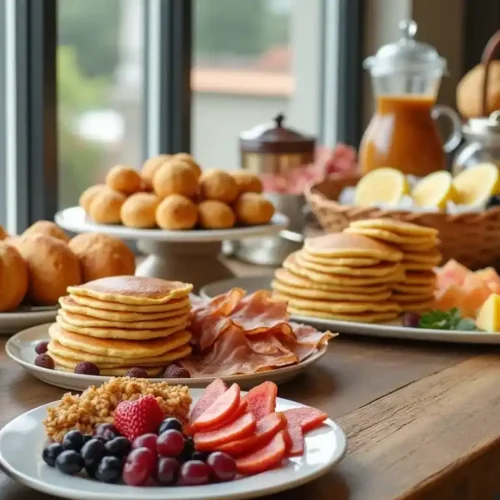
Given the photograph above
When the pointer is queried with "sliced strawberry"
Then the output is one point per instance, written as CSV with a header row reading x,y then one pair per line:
x,y
219,411
238,429
265,430
296,437
307,418
265,458
262,399
211,393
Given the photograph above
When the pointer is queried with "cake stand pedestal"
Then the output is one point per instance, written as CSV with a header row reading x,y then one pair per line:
x,y
189,256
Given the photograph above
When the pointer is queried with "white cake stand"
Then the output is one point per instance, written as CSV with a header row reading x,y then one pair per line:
x,y
189,256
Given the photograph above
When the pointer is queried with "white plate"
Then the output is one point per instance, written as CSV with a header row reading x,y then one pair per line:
x,y
25,317
248,283
21,348
74,219
22,441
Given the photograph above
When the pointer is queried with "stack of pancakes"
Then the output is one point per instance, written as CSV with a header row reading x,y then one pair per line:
x,y
122,322
341,276
418,245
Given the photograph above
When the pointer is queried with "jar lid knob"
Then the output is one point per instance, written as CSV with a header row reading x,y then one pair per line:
x,y
279,119
408,28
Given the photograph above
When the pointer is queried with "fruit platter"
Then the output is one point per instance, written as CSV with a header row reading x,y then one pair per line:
x,y
160,441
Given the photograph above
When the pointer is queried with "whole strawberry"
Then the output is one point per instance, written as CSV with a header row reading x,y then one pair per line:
x,y
135,418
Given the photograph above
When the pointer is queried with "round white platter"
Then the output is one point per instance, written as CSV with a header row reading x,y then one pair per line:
x,y
392,329
191,256
22,441
21,348
25,317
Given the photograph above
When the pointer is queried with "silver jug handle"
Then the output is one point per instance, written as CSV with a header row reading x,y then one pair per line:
x,y
455,137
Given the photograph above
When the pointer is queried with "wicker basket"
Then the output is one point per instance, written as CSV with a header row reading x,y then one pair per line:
x,y
471,238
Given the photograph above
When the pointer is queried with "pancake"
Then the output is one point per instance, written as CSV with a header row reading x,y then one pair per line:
x,y
390,237
90,302
70,305
291,265
135,290
89,321
111,372
420,277
417,266
421,247
337,307
111,362
118,333
396,226
414,289
407,298
432,257
339,261
341,245
422,306
308,293
358,317
116,348
292,280
382,269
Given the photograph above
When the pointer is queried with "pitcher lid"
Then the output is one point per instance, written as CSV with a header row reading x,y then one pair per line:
x,y
486,126
407,55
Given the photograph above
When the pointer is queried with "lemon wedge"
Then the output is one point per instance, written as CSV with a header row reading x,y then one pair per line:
x,y
434,190
475,185
383,185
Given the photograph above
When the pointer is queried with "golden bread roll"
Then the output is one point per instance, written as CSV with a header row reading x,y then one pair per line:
x,y
124,179
187,159
175,178
247,182
48,228
101,256
253,209
470,91
88,195
150,167
218,185
176,212
3,233
213,214
52,267
139,210
106,206
13,277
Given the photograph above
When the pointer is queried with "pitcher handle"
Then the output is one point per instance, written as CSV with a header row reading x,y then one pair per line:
x,y
456,134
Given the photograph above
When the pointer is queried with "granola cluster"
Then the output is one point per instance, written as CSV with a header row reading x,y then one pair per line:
x,y
96,405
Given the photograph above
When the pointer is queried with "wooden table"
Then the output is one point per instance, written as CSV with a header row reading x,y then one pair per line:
x,y
423,420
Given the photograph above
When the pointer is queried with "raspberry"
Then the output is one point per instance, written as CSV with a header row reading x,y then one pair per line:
x,y
44,361
176,371
135,418
137,373
86,368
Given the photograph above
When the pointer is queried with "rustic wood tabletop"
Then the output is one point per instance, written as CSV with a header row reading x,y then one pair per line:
x,y
422,419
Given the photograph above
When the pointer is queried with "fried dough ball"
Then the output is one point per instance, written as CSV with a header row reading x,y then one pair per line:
x,y
187,159
213,214
88,195
247,182
175,178
102,255
139,210
150,167
218,185
124,179
106,206
52,267
47,227
253,209
13,277
176,212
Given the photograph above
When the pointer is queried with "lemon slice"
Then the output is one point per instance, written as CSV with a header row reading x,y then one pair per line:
x,y
434,190
383,185
475,185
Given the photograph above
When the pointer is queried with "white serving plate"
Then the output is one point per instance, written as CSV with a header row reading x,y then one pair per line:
x,y
25,317
21,348
249,283
75,219
22,441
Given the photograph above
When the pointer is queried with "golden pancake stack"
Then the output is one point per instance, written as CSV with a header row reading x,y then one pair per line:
x,y
418,244
341,276
122,322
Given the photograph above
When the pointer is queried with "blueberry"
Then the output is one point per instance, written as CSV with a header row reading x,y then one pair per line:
x,y
73,440
168,424
109,470
92,452
69,462
106,432
87,438
119,447
187,451
51,452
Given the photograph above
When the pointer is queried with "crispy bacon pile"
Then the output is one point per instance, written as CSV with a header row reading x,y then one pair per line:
x,y
235,333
